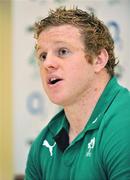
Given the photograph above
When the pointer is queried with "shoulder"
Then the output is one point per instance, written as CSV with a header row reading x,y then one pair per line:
x,y
33,167
115,141
123,96
119,110
116,120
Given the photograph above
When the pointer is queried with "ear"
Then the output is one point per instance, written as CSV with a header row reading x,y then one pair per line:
x,y
101,60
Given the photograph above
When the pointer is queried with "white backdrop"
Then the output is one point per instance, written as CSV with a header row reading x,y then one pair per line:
x,y
31,108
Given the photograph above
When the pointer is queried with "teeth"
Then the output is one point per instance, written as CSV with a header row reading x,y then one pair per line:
x,y
53,79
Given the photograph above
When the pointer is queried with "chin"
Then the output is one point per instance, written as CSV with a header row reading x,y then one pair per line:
x,y
55,101
58,101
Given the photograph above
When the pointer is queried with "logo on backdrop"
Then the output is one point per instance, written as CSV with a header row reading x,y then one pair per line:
x,y
115,31
35,103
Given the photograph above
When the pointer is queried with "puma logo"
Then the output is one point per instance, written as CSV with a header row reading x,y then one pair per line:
x,y
45,143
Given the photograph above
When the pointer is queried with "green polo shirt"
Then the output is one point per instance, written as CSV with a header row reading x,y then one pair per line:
x,y
100,152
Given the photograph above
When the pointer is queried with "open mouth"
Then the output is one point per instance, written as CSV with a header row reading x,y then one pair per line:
x,y
54,80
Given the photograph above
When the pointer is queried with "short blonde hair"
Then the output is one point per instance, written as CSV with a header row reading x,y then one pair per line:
x,y
94,32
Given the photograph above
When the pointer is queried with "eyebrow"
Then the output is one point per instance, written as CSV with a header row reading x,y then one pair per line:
x,y
37,47
60,42
56,42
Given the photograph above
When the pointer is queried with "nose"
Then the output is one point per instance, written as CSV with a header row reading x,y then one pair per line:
x,y
51,62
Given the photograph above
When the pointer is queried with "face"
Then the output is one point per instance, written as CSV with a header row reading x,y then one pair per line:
x,y
65,72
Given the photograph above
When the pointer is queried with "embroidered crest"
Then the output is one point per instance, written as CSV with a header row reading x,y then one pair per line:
x,y
91,145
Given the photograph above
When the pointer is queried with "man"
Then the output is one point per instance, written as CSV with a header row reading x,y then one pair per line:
x,y
89,139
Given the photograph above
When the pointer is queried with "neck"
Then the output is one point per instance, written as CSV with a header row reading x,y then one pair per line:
x,y
79,112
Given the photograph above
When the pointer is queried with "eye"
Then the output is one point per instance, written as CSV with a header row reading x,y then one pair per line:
x,y
43,56
63,52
